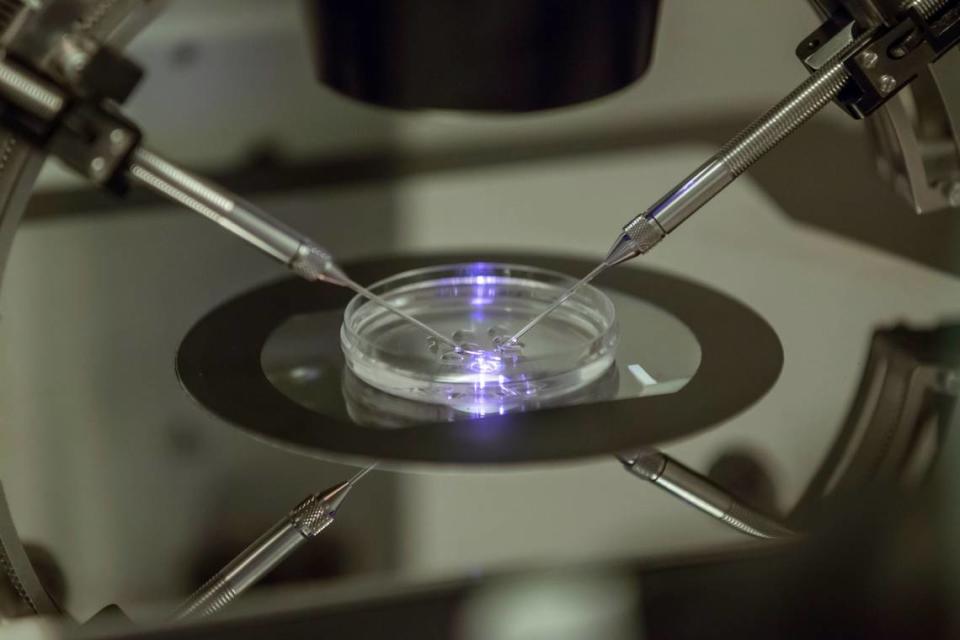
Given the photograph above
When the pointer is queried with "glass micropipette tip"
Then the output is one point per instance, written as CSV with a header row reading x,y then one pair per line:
x,y
359,474
556,303
366,293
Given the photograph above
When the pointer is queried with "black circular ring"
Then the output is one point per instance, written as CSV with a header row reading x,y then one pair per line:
x,y
741,357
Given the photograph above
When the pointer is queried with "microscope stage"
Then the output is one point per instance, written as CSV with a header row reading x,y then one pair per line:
x,y
269,362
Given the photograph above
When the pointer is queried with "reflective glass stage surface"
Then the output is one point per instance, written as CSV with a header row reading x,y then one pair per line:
x,y
656,354
269,361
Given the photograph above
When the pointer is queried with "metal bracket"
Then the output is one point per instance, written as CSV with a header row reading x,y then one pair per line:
x,y
890,61
916,138
913,104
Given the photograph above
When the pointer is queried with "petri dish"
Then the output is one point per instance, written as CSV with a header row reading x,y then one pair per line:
x,y
476,304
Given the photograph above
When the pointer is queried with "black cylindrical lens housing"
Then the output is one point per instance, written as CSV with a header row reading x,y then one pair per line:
x,y
486,55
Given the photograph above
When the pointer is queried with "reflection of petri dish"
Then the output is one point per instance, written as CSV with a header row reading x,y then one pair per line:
x,y
371,407
569,349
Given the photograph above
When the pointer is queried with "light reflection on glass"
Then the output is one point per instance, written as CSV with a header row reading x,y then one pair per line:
x,y
481,304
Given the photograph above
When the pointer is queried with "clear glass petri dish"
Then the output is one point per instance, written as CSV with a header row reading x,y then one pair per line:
x,y
474,304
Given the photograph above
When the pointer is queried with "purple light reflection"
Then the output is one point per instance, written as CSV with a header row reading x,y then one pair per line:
x,y
493,393
484,363
482,294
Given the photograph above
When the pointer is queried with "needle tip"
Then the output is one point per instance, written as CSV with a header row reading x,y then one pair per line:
x,y
623,249
361,473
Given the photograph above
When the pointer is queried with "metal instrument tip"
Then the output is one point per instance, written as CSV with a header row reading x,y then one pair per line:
x,y
623,249
335,495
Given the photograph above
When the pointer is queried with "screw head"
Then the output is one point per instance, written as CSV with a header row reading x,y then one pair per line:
x,y
953,194
868,59
118,137
887,83
947,382
97,165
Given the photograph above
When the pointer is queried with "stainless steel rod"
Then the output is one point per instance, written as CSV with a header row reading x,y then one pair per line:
x,y
253,225
240,218
307,520
646,230
243,571
702,494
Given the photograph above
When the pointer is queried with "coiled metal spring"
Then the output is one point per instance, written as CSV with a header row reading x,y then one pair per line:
x,y
927,8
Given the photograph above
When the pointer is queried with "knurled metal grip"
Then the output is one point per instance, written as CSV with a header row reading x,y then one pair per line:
x,y
644,232
927,8
756,524
213,596
311,516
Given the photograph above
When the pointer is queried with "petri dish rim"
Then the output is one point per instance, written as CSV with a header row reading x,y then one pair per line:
x,y
581,358
419,277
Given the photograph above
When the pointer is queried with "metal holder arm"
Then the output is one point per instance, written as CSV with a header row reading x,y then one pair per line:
x,y
20,161
906,84
703,494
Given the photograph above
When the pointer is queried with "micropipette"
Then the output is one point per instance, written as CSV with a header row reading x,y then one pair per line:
x,y
250,223
305,521
702,493
646,230
556,303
